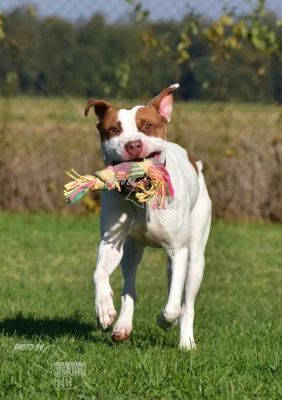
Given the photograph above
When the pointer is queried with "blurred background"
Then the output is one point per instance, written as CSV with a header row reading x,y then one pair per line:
x,y
55,55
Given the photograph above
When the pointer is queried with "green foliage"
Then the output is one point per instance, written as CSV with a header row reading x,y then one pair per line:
x,y
232,32
232,58
141,13
2,32
227,39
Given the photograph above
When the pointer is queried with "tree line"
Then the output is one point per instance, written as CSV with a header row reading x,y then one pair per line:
x,y
53,57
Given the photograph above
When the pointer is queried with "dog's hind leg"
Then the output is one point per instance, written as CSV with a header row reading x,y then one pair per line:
x,y
132,256
177,266
163,324
199,232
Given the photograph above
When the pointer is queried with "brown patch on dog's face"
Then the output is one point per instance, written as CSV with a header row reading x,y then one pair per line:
x,y
109,126
150,122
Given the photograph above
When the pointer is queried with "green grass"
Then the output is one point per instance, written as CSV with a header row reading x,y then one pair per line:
x,y
47,298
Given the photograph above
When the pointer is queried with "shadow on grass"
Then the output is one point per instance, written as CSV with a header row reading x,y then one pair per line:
x,y
30,327
51,327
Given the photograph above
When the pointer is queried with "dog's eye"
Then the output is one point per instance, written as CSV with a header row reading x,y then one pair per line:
x,y
148,126
114,130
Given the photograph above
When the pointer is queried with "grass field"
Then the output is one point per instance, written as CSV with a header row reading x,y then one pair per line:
x,y
47,299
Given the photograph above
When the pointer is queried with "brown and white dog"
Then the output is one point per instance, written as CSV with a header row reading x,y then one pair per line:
x,y
126,228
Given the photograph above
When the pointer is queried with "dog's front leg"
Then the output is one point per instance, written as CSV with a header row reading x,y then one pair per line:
x,y
133,253
109,257
177,267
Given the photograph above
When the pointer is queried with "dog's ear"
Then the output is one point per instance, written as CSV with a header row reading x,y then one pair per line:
x,y
164,101
100,107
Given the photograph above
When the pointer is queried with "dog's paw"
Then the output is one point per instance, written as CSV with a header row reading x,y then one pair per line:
x,y
105,309
187,345
121,335
168,319
165,324
121,331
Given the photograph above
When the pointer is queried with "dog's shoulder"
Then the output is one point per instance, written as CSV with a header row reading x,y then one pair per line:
x,y
183,154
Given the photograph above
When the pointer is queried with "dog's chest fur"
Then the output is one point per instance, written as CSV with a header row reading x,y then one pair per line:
x,y
156,228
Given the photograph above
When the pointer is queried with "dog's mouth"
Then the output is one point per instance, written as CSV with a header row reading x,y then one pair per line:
x,y
156,155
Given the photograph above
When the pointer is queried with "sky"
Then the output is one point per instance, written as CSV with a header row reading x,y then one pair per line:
x,y
119,9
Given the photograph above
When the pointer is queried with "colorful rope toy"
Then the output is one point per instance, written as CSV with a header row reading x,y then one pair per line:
x,y
148,180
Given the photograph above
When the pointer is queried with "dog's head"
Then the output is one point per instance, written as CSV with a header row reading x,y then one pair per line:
x,y
135,133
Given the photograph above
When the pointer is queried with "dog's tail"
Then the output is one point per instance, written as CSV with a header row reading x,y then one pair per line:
x,y
200,165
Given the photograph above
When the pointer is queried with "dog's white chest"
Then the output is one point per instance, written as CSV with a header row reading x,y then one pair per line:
x,y
160,227
149,229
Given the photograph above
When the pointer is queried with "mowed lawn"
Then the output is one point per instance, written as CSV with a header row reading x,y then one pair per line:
x,y
47,299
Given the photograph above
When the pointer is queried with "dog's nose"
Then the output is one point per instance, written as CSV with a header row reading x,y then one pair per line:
x,y
134,148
